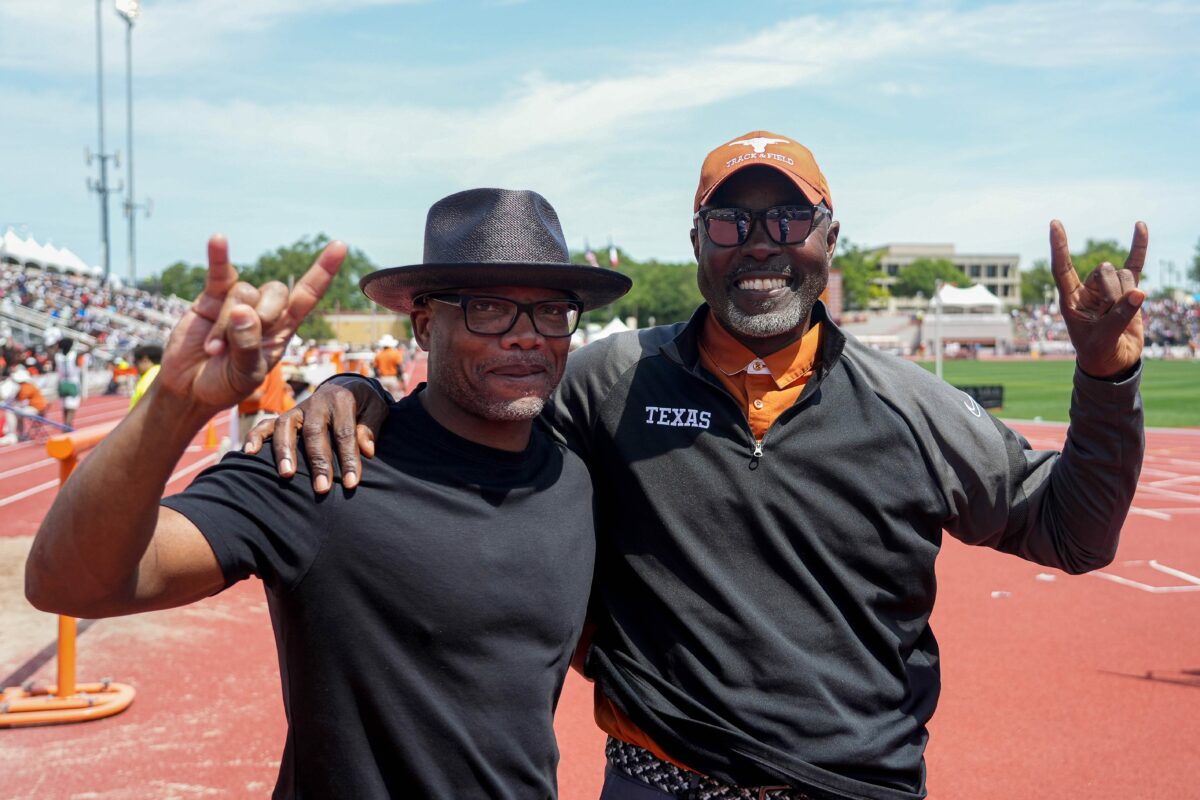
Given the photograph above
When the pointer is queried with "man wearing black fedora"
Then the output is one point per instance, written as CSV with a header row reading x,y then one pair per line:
x,y
423,655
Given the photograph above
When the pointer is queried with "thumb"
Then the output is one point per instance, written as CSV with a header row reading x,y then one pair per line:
x,y
244,336
1126,308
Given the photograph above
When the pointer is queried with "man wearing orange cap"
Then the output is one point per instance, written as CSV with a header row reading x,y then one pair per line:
x,y
771,496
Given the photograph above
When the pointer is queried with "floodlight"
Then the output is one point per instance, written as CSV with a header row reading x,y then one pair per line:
x,y
129,9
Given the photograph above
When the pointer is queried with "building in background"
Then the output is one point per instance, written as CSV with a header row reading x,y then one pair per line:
x,y
364,328
996,272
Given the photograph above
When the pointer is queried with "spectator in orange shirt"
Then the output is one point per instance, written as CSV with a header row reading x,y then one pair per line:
x,y
29,400
389,366
269,400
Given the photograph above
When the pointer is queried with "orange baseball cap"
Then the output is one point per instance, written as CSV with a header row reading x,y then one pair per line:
x,y
762,148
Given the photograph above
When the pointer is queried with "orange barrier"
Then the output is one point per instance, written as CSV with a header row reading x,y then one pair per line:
x,y
67,701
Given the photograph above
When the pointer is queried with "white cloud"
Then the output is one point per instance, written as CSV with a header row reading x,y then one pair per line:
x,y
170,35
539,113
563,136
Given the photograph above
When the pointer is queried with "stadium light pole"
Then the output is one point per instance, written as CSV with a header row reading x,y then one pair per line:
x,y
129,10
101,186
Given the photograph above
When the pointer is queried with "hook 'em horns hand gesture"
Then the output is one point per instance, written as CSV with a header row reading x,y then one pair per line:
x,y
1102,312
233,334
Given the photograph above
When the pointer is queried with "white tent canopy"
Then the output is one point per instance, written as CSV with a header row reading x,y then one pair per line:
x,y
26,250
614,326
976,298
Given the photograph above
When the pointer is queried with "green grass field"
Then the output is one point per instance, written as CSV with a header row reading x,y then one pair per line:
x,y
1170,389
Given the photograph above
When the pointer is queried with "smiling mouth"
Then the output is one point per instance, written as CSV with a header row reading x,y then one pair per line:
x,y
760,284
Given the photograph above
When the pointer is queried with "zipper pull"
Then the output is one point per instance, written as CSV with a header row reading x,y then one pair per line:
x,y
758,448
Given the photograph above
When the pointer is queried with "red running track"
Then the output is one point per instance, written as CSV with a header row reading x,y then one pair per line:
x,y
1055,686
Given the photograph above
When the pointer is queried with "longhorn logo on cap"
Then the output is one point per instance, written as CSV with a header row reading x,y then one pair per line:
x,y
759,143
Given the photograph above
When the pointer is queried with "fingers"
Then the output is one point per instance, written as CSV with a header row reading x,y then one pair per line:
x,y
1127,279
283,440
221,277
318,449
1137,251
1060,261
1123,311
312,286
272,303
1105,285
257,435
242,294
366,440
244,339
345,436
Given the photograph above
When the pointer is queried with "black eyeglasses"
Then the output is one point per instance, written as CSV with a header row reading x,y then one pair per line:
x,y
496,316
730,227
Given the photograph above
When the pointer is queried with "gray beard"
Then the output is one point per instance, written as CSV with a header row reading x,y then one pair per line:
x,y
771,323
511,411
522,408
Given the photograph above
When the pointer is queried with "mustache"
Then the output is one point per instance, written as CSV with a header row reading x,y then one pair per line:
x,y
528,359
783,270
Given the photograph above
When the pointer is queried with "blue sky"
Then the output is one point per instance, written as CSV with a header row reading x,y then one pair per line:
x,y
268,120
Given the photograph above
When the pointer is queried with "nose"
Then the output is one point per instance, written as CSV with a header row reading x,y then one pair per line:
x,y
758,245
522,335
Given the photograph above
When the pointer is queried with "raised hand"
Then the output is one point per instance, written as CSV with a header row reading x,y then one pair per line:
x,y
234,333
1102,313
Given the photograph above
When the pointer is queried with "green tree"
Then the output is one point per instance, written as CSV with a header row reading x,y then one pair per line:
x,y
923,274
858,265
664,292
1096,252
287,264
315,327
180,279
1035,282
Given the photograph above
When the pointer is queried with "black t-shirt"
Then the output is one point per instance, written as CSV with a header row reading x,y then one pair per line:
x,y
425,620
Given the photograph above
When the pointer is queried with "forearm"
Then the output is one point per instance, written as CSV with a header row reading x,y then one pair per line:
x,y
1078,507
89,546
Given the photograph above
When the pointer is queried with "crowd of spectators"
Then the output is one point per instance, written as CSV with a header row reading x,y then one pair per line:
x,y
1172,328
118,318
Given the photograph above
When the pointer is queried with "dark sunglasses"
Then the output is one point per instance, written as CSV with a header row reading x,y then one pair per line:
x,y
496,316
730,227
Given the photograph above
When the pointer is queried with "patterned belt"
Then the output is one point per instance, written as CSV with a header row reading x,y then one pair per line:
x,y
642,765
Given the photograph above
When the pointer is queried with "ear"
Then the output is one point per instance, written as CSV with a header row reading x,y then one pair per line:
x,y
422,320
831,237
695,242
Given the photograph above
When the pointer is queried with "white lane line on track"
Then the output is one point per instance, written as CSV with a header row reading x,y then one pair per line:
x,y
8,473
1151,489
28,492
1145,587
45,462
1154,564
199,465
1154,472
1175,573
188,470
1176,462
1149,512
1175,480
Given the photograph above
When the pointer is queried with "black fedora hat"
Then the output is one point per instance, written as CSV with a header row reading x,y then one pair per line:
x,y
493,237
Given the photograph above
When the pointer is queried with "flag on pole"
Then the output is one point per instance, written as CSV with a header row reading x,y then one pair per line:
x,y
589,254
612,255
